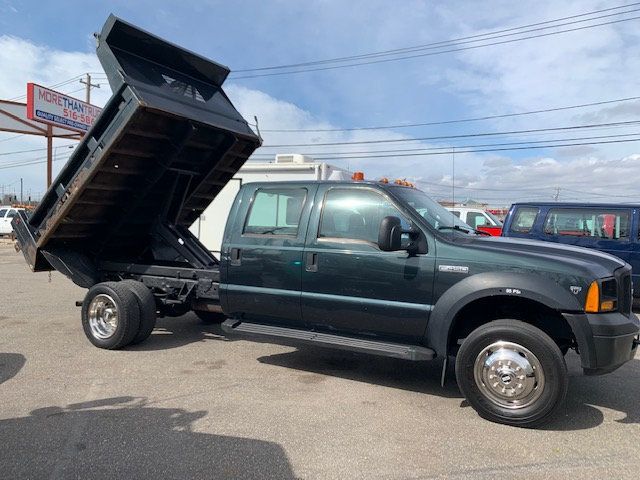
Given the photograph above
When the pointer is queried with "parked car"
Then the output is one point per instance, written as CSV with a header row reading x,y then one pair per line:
x,y
368,267
610,228
6,215
479,219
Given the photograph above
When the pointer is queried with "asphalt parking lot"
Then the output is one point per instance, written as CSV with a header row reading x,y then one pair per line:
x,y
190,403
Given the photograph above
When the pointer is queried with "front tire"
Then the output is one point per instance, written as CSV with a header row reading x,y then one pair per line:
x,y
110,315
512,373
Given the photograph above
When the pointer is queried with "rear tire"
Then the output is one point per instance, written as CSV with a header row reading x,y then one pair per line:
x,y
110,315
512,373
146,307
210,318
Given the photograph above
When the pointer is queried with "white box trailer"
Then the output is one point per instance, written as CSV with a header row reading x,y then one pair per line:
x,y
209,227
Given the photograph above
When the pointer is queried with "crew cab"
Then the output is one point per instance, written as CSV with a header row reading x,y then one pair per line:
x,y
479,219
364,266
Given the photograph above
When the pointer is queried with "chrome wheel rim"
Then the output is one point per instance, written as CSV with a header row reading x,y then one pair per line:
x,y
509,375
103,316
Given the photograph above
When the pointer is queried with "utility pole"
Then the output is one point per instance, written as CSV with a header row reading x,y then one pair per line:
x,y
557,195
21,198
88,84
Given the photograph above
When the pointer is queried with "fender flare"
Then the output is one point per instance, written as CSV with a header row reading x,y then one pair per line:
x,y
482,285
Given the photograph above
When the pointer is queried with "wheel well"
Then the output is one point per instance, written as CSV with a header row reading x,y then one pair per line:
x,y
485,310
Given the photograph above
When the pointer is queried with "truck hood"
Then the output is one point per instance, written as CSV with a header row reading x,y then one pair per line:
x,y
599,264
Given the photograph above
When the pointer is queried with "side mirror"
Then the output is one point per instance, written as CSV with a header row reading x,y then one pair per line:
x,y
390,234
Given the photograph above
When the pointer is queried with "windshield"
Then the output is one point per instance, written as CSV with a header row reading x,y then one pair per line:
x,y
495,219
435,214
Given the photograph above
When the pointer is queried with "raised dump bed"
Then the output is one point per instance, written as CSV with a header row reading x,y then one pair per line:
x,y
166,143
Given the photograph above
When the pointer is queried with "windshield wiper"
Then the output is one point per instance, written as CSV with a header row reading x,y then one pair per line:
x,y
453,227
460,229
272,230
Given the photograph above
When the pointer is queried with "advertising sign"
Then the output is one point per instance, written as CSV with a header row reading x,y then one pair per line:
x,y
48,106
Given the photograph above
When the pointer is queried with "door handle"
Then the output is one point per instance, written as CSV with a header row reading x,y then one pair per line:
x,y
235,256
311,262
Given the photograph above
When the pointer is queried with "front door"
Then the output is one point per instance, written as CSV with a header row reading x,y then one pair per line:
x,y
263,254
348,284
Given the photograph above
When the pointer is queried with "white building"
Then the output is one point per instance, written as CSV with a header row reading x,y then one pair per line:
x,y
209,228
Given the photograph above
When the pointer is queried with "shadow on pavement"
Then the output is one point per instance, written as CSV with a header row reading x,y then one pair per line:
x,y
422,377
10,365
125,438
173,332
618,391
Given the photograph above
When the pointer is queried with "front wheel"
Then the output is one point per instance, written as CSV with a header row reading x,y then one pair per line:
x,y
512,373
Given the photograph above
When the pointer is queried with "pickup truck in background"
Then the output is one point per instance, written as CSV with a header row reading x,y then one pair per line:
x,y
6,216
364,266
479,219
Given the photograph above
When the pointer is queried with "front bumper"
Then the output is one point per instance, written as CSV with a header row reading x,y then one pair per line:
x,y
605,340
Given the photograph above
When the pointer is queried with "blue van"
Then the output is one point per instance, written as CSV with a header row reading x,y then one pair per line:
x,y
610,228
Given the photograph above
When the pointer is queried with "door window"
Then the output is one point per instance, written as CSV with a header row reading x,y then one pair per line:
x,y
355,214
275,211
476,219
601,223
12,213
524,219
3,212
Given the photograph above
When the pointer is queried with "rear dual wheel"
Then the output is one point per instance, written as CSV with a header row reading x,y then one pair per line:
x,y
512,373
116,314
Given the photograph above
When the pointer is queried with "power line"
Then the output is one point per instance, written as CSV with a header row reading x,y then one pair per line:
x,y
18,152
57,85
448,152
449,137
443,42
33,161
12,137
502,42
447,122
319,155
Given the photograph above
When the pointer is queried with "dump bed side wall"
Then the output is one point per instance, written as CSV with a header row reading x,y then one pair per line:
x,y
167,142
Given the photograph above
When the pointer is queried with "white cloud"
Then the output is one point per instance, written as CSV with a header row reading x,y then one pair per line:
x,y
579,67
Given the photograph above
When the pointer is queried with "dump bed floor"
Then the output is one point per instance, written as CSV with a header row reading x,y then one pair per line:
x,y
113,201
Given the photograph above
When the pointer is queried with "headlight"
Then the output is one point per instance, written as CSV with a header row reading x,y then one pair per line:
x,y
602,296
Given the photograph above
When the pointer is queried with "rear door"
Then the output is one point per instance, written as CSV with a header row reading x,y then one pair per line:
x,y
607,229
348,284
603,228
262,253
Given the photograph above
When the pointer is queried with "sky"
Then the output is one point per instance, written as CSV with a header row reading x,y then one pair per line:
x,y
52,42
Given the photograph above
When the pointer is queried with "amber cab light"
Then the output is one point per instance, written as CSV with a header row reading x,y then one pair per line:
x,y
593,298
358,176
